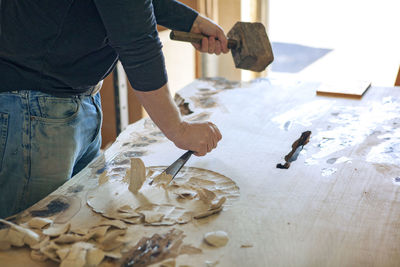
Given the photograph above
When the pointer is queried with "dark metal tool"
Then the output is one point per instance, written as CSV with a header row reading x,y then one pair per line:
x,y
296,149
175,167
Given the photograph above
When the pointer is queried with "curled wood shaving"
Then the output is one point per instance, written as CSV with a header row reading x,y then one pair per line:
x,y
125,208
205,195
137,175
136,220
50,251
218,204
109,241
79,231
76,257
57,230
94,256
39,223
68,238
97,232
63,252
42,243
115,254
207,213
115,223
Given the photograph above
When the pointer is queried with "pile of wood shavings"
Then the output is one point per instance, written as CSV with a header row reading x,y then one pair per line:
x,y
149,197
60,243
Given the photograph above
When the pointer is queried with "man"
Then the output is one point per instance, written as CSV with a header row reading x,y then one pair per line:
x,y
53,55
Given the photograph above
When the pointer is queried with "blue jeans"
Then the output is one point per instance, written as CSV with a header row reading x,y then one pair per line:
x,y
44,140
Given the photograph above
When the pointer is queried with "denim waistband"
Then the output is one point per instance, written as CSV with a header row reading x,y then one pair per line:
x,y
93,90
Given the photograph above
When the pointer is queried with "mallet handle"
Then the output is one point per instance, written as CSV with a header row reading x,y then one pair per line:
x,y
195,38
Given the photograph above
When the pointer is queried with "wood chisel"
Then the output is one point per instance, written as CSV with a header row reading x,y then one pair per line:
x,y
175,167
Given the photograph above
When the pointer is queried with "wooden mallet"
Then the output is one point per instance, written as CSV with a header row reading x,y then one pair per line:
x,y
249,43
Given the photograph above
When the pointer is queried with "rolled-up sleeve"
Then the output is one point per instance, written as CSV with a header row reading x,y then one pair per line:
x,y
174,15
131,30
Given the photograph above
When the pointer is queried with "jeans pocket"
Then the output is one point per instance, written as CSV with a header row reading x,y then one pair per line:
x,y
3,136
57,109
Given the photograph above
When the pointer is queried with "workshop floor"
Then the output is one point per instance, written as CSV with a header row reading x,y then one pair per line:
x,y
341,39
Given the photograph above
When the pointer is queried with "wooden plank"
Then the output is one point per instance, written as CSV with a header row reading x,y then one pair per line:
x,y
337,204
352,89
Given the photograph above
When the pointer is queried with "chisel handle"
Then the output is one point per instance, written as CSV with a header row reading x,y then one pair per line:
x,y
195,38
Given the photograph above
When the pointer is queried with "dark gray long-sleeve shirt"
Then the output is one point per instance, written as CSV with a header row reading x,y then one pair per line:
x,y
64,47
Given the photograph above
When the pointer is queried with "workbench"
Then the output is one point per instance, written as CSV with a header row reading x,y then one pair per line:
x,y
337,205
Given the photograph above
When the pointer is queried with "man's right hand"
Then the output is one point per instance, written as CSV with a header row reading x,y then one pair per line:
x,y
201,138
198,137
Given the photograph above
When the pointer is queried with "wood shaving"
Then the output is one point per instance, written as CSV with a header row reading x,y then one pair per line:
x,y
97,232
189,249
109,242
16,238
137,175
218,204
205,195
115,223
50,251
38,256
39,223
76,257
216,239
198,182
126,208
63,252
68,238
207,213
57,230
42,243
94,257
80,231
115,254
162,179
136,220
103,178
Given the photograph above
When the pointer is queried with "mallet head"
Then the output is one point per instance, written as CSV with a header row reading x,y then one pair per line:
x,y
253,50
